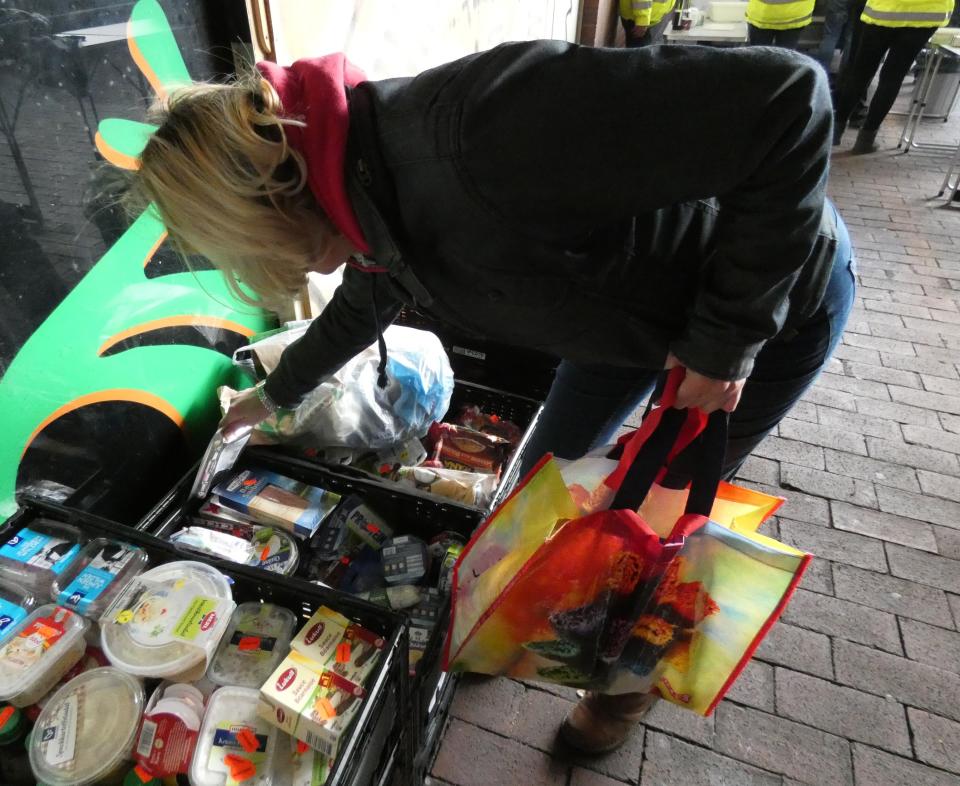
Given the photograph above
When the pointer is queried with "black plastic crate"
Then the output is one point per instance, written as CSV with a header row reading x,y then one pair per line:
x,y
412,513
377,748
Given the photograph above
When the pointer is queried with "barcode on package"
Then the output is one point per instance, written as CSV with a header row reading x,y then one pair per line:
x,y
322,744
145,743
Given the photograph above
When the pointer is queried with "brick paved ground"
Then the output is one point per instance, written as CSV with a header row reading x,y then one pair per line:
x,y
860,681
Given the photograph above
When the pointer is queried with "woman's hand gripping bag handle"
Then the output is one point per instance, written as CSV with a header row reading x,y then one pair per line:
x,y
538,609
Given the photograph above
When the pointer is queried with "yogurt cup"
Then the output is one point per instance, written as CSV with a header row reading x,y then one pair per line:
x,y
39,651
97,575
15,604
34,556
234,741
168,621
87,729
257,639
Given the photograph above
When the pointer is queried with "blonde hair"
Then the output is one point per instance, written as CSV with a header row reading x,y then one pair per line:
x,y
229,187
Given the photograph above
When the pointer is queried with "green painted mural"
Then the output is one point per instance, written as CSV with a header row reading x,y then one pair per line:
x,y
78,356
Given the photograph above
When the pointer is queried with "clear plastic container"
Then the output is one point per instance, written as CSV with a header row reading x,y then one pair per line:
x,y
33,557
97,575
87,729
168,621
234,739
256,641
15,604
269,548
41,649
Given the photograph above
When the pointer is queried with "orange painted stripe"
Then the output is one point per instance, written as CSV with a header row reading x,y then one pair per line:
x,y
152,251
142,63
184,320
117,394
114,156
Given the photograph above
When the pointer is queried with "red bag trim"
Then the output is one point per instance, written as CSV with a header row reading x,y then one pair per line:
x,y
761,634
469,547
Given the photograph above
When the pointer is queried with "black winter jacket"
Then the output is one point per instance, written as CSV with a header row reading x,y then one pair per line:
x,y
603,205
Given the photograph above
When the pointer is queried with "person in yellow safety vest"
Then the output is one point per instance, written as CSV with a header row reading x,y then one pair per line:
x,y
645,20
898,29
778,22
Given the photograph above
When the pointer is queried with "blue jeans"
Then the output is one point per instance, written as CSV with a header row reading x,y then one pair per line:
x,y
833,26
587,404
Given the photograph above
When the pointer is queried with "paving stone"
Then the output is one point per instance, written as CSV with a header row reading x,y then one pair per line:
x,y
919,506
471,756
858,354
954,601
826,436
919,398
932,438
876,768
800,649
843,711
760,470
845,619
857,387
888,593
900,413
804,410
834,544
681,723
754,686
537,719
818,577
937,739
854,422
913,456
670,761
489,702
827,484
907,681
885,526
925,568
882,472
582,777
939,384
950,422
791,451
832,398
889,345
920,365
948,542
780,745
800,506
931,645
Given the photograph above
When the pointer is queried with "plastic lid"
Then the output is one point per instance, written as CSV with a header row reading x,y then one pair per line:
x,y
12,724
134,630
257,639
35,555
277,551
41,649
87,728
97,575
232,734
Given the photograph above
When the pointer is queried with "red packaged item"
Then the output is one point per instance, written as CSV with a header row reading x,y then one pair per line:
x,y
473,417
169,730
462,448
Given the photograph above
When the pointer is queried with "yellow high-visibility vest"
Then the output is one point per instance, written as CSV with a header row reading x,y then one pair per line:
x,y
780,14
645,13
907,13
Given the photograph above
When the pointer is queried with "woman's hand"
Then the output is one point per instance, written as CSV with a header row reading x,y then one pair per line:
x,y
246,411
705,393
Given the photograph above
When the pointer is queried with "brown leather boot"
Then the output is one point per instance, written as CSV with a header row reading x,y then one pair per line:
x,y
602,722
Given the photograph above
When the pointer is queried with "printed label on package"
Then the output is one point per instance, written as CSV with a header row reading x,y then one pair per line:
x,y
40,551
10,615
238,749
252,643
28,646
94,579
59,739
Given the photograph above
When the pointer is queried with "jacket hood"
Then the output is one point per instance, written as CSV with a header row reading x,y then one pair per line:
x,y
313,91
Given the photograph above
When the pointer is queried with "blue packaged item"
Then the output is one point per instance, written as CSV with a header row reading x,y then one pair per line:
x,y
34,556
15,604
362,573
277,501
98,574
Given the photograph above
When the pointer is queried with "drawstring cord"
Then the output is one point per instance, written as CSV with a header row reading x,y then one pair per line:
x,y
381,343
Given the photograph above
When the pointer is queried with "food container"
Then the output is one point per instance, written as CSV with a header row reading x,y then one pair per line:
x,y
727,11
235,746
34,556
97,575
268,548
86,731
168,734
257,639
168,621
15,605
39,651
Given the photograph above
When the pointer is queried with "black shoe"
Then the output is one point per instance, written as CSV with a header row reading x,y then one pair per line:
x,y
866,142
838,129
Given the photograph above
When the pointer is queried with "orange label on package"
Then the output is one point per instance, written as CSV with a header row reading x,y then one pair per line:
x,y
5,715
343,652
248,740
248,643
325,709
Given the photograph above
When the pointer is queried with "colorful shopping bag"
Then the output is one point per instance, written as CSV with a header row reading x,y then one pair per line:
x,y
574,586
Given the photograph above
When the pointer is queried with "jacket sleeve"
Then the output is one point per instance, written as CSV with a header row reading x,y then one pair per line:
x,y
346,327
599,135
